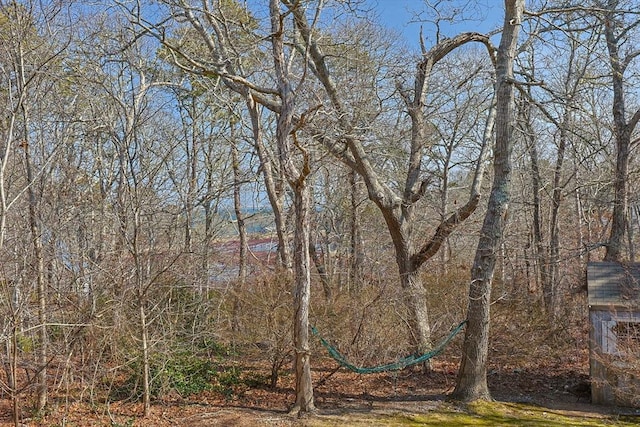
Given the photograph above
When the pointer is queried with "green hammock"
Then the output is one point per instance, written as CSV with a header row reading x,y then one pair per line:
x,y
396,366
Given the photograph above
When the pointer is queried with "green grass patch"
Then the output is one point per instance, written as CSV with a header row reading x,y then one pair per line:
x,y
480,414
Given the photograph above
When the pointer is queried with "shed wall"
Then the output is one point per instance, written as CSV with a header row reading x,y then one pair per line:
x,y
611,383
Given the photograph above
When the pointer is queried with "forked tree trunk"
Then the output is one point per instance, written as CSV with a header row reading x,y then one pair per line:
x,y
397,209
471,383
275,194
296,177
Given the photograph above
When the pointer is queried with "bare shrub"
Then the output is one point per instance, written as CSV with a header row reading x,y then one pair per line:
x,y
265,318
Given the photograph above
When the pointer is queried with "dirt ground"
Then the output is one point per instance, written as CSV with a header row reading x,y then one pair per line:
x,y
338,393
529,364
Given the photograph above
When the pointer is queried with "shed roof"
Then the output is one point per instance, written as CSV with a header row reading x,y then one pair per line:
x,y
613,284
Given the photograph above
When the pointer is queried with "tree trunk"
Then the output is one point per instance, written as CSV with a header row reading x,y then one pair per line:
x,y
302,283
357,255
12,321
415,296
206,244
630,237
36,239
621,201
274,194
146,367
242,235
471,383
622,132
414,293
554,226
322,271
41,293
541,273
579,218
191,151
13,380
286,139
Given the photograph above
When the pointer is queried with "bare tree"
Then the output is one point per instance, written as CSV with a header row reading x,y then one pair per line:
x,y
33,40
472,375
287,141
617,31
129,85
398,208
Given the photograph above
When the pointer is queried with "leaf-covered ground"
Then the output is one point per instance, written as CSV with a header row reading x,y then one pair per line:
x,y
538,376
555,394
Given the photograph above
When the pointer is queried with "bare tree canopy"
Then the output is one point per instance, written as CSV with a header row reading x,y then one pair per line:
x,y
188,186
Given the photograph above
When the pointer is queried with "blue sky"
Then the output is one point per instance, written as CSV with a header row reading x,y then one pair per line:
x,y
398,14
401,15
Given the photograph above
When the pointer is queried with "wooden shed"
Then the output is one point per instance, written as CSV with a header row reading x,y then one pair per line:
x,y
614,317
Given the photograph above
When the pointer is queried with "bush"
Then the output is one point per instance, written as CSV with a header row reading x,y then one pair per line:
x,y
184,373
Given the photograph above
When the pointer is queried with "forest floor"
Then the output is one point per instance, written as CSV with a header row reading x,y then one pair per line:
x,y
538,376
545,394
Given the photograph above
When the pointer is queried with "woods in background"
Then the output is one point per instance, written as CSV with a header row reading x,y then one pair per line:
x,y
178,178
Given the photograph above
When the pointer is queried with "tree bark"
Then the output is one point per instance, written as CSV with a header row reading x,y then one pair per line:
x,y
415,296
302,297
191,153
36,239
322,272
274,193
296,177
13,378
471,383
40,288
622,132
242,234
554,226
357,255
541,275
146,363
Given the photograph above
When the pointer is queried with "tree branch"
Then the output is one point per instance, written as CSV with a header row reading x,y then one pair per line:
x,y
443,231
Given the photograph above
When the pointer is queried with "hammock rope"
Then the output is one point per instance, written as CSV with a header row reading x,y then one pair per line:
x,y
395,366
